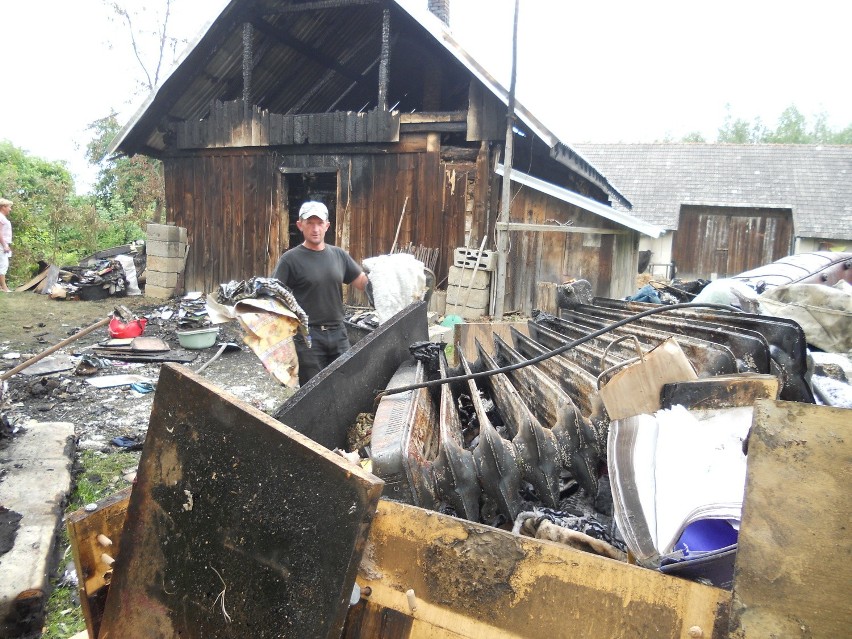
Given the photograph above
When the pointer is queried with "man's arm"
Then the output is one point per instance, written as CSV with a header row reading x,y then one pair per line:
x,y
361,281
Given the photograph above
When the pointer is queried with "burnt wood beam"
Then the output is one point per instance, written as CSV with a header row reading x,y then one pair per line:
x,y
384,65
319,6
433,116
433,127
248,34
233,87
310,52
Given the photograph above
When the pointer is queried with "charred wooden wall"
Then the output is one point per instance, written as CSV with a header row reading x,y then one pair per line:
x,y
228,202
606,260
233,204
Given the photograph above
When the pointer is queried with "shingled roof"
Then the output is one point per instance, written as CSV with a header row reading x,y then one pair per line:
x,y
815,181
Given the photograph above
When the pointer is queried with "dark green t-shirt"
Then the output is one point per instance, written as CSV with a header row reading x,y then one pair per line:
x,y
315,277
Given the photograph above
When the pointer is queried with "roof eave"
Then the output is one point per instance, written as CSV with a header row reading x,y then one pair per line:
x,y
586,203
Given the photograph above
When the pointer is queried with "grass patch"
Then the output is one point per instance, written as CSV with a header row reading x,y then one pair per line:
x,y
64,615
98,475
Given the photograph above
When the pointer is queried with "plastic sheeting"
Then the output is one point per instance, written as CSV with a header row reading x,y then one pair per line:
x,y
824,312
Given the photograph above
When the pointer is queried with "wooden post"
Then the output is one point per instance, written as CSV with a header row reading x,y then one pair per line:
x,y
384,64
247,68
503,235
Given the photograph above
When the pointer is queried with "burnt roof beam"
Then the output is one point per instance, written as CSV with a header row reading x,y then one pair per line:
x,y
308,51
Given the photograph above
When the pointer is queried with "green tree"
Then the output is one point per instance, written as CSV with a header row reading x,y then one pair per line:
x,y
47,214
693,137
129,191
792,128
740,131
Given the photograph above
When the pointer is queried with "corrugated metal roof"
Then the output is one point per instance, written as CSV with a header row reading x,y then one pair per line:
x,y
814,181
318,60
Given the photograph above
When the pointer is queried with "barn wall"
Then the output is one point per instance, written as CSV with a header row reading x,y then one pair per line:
x,y
713,242
233,204
228,204
607,261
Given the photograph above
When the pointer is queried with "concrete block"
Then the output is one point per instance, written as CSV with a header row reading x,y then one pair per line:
x,y
159,292
36,471
476,298
438,302
165,264
471,313
166,233
467,257
165,249
463,276
164,280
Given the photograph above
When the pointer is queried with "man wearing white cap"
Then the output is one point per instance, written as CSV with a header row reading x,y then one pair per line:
x,y
315,271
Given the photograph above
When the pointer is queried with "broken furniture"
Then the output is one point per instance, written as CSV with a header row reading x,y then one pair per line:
x,y
237,526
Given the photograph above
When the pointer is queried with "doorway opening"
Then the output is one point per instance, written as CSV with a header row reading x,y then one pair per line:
x,y
301,185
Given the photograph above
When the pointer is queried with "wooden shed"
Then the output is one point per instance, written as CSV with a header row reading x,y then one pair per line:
x,y
374,109
729,208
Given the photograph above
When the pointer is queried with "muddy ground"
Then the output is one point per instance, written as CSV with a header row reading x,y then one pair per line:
x,y
31,323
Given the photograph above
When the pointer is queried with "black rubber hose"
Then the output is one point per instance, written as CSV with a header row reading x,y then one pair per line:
x,y
557,351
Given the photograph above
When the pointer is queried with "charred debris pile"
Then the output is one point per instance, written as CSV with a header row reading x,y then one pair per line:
x,y
543,432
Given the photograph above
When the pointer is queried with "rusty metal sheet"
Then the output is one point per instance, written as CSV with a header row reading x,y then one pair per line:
x,y
237,526
469,580
793,572
349,385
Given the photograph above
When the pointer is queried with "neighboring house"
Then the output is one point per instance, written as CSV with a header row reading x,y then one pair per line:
x,y
728,208
376,111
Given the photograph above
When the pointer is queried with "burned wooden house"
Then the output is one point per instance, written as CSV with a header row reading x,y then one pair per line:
x,y
376,110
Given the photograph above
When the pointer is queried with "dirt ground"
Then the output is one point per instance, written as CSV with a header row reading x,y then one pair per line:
x,y
31,323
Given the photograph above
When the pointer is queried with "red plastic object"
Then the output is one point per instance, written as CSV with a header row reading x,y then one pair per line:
x,y
118,329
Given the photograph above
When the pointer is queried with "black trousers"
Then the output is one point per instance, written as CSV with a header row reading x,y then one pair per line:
x,y
327,344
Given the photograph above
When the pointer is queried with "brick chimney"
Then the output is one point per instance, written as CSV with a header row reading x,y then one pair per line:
x,y
441,9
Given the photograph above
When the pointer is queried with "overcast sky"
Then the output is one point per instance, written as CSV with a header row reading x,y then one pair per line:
x,y
603,71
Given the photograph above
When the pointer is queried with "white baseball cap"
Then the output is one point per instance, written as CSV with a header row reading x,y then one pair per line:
x,y
313,209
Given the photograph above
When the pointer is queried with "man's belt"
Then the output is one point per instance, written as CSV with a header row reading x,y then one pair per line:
x,y
326,327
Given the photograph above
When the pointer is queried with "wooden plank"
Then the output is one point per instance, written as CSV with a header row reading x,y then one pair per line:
x,y
360,128
38,279
221,134
88,547
432,116
276,129
545,297
557,228
301,124
793,573
289,129
349,131
237,526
